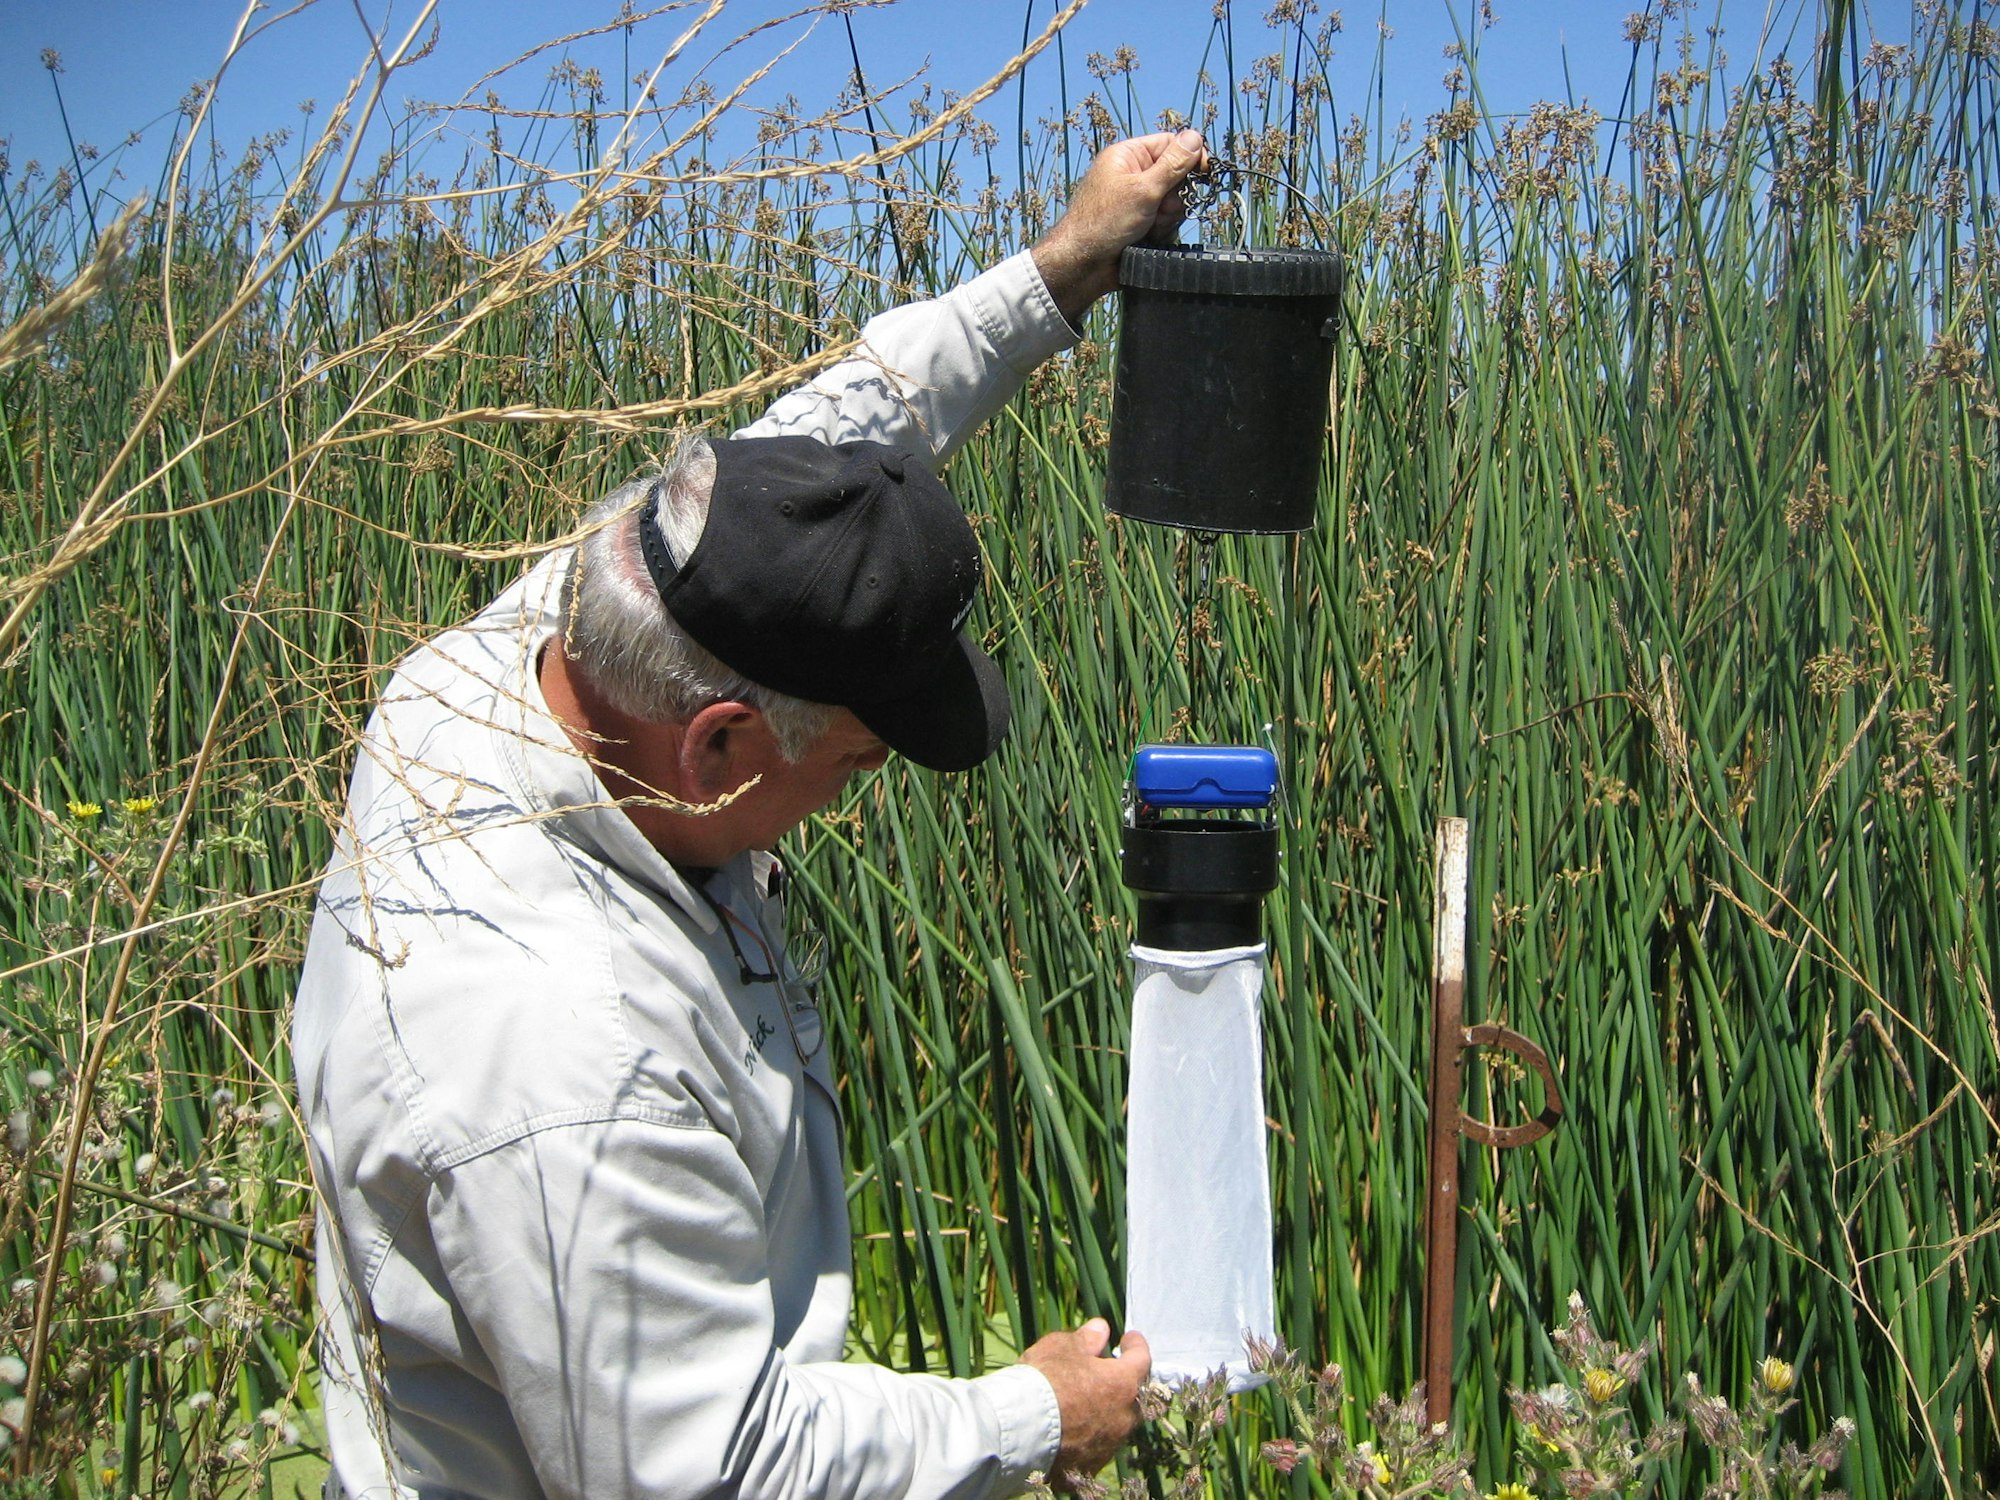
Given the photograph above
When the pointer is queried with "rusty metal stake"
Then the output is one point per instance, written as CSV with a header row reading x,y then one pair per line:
x,y
1451,1039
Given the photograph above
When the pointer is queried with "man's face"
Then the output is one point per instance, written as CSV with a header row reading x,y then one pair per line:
x,y
791,793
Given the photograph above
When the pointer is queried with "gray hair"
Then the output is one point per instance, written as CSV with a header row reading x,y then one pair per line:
x,y
619,634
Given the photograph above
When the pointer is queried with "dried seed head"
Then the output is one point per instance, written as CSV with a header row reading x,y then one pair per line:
x,y
1825,1454
1282,1454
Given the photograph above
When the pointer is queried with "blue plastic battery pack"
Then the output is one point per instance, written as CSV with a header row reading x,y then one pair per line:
x,y
1214,776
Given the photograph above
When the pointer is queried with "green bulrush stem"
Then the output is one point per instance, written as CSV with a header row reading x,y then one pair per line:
x,y
135,1408
1076,1178
76,158
181,1211
99,514
1303,1005
107,1025
1538,488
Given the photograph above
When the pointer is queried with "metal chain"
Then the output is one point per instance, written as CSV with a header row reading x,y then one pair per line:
x,y
1205,193
1198,593
1203,190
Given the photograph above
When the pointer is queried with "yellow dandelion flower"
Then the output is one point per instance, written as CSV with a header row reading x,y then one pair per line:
x,y
140,804
1512,1492
1367,1451
1776,1375
85,810
1600,1384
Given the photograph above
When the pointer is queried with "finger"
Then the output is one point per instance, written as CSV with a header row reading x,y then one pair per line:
x,y
1135,1352
1181,155
1147,149
1169,167
1166,180
1096,1336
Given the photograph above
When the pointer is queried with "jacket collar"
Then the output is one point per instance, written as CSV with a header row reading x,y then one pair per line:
x,y
560,785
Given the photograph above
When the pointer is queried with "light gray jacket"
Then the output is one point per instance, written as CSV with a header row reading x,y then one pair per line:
x,y
584,1230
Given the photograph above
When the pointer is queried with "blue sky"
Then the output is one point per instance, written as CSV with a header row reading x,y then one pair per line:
x,y
127,63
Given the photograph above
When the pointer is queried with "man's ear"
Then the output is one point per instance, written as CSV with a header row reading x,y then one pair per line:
x,y
714,749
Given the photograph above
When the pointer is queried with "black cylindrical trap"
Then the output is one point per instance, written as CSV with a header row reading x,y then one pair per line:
x,y
1220,392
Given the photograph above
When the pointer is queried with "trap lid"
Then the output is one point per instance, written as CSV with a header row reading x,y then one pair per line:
x,y
1204,776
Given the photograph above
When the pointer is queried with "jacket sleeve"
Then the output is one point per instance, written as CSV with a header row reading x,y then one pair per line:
x,y
629,1325
928,374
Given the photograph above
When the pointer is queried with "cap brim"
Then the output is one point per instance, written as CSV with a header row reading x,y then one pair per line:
x,y
954,721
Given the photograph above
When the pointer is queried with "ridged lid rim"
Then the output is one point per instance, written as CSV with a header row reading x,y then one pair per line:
x,y
1232,273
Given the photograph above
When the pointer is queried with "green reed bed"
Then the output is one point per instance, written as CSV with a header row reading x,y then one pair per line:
x,y
1657,539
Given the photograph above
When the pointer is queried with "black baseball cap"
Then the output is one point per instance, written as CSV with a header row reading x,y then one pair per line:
x,y
842,574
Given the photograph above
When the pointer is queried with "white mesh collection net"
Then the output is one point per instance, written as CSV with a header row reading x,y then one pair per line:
x,y
1197,1192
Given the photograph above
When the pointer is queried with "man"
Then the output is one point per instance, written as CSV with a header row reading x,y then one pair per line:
x,y
569,1104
